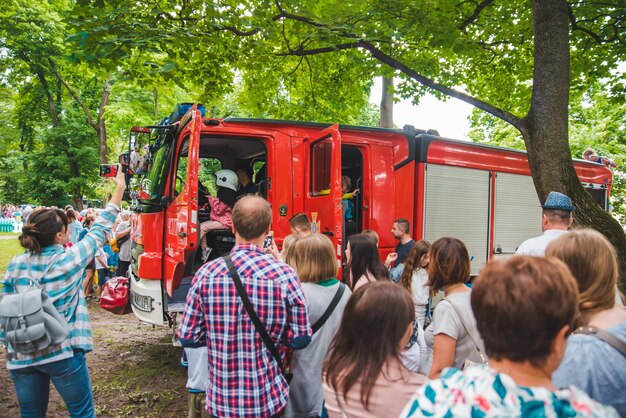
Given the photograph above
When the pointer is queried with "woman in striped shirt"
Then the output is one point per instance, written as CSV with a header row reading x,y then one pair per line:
x,y
43,237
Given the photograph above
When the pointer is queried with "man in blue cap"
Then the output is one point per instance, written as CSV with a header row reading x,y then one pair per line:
x,y
555,221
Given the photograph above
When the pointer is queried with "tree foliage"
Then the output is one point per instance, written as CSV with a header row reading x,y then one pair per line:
x,y
517,60
76,75
221,50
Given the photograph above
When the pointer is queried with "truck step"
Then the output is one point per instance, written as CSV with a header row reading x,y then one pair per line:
x,y
176,303
176,307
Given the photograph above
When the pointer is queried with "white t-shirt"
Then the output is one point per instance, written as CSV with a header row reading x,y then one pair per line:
x,y
447,321
124,254
103,255
419,290
537,246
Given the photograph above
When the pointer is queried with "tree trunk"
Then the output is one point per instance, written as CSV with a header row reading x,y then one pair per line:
x,y
386,104
156,103
102,141
51,108
546,134
77,197
100,123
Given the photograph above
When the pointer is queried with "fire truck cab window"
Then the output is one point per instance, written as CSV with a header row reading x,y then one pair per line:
x,y
208,167
259,170
321,157
221,153
352,204
181,170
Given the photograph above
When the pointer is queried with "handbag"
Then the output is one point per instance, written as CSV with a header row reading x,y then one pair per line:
x,y
115,296
258,325
30,320
469,363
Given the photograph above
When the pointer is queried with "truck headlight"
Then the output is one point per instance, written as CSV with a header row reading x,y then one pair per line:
x,y
141,302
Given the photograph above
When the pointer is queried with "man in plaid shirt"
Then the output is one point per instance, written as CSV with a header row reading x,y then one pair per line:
x,y
244,379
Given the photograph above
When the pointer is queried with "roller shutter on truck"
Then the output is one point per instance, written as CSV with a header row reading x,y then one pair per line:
x,y
457,205
517,213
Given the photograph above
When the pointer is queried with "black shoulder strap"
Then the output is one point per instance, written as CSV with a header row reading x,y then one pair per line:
x,y
329,310
605,336
260,328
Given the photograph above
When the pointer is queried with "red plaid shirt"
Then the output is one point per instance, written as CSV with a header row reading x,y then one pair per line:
x,y
244,379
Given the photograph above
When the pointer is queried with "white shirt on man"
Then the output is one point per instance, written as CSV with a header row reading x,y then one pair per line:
x,y
537,246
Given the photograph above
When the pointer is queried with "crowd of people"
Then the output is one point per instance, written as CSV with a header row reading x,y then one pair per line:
x,y
20,213
269,332
493,346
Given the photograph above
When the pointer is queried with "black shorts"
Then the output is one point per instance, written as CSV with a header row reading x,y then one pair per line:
x,y
103,276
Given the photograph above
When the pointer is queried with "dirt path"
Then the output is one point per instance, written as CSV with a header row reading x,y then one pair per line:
x,y
135,371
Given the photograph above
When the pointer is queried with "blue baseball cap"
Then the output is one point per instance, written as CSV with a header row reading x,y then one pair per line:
x,y
558,201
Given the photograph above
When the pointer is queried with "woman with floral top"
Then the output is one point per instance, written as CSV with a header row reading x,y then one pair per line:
x,y
525,335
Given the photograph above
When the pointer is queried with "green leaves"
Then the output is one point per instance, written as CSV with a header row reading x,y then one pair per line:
x,y
249,58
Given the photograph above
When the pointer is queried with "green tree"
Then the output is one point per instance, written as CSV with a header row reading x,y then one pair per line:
x,y
31,38
55,107
517,60
198,46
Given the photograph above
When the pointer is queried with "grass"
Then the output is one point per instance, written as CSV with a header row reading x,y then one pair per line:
x,y
8,249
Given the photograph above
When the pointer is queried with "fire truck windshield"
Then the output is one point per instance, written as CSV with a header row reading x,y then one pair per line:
x,y
153,181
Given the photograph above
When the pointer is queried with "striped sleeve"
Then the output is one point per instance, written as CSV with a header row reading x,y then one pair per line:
x,y
86,248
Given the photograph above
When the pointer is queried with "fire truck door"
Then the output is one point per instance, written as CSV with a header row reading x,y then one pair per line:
x,y
181,237
322,201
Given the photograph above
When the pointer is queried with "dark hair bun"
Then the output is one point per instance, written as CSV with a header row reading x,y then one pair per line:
x,y
30,229
42,228
28,240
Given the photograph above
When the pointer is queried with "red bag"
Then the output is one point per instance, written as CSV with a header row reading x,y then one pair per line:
x,y
115,296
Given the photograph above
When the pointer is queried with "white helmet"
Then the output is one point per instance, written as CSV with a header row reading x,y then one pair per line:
x,y
227,178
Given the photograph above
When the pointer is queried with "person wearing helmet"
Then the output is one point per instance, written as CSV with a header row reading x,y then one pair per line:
x,y
221,206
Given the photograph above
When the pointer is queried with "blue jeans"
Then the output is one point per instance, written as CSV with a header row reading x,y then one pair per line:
x,y
69,376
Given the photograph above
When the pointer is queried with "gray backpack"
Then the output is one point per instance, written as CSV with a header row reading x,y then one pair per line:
x,y
30,320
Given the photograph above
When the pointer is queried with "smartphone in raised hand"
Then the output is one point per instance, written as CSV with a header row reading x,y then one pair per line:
x,y
108,170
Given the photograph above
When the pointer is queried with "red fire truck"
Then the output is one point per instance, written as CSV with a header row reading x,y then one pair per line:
x,y
481,194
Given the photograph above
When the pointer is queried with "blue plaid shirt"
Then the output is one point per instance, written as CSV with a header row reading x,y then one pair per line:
x,y
244,379
63,284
